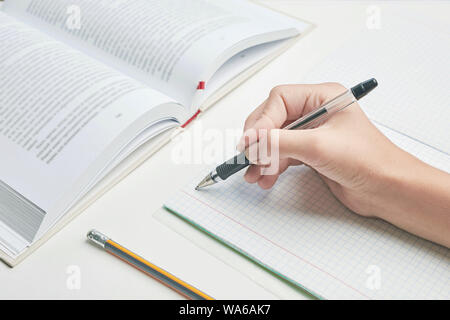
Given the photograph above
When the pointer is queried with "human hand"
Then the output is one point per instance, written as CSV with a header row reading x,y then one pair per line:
x,y
351,155
364,170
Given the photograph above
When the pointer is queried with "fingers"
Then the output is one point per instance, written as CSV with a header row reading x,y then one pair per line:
x,y
253,174
306,146
274,112
267,182
254,116
288,147
285,104
256,174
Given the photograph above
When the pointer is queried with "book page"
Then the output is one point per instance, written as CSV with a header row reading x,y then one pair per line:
x,y
63,117
237,64
169,45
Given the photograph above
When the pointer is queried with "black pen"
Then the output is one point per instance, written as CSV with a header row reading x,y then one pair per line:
x,y
342,101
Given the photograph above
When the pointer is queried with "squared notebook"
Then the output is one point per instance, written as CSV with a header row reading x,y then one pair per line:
x,y
299,230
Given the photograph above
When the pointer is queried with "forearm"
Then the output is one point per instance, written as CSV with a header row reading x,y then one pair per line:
x,y
418,200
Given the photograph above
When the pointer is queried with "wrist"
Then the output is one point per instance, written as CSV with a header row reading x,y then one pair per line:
x,y
402,180
416,197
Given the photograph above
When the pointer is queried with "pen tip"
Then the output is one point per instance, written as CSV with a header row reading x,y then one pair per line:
x,y
207,181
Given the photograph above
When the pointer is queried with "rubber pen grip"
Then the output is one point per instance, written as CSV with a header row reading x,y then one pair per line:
x,y
232,166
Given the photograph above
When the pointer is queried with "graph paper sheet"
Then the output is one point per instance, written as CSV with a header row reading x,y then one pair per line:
x,y
410,60
300,231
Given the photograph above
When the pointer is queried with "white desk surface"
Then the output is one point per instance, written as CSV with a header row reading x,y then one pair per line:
x,y
127,212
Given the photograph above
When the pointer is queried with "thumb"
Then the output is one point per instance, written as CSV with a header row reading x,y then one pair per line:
x,y
303,145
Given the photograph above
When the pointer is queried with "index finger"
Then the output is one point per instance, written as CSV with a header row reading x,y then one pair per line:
x,y
287,103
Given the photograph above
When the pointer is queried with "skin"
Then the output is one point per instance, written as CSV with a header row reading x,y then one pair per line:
x,y
362,168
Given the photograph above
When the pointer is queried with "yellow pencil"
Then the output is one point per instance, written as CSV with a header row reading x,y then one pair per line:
x,y
148,268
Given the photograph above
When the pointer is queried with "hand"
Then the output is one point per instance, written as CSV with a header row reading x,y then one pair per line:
x,y
347,150
363,169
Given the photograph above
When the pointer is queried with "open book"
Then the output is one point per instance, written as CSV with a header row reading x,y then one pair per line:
x,y
87,83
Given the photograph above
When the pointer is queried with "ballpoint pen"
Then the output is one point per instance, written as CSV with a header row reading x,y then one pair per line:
x,y
147,267
240,161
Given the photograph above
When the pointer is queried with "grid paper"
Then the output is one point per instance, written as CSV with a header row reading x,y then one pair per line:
x,y
411,63
300,231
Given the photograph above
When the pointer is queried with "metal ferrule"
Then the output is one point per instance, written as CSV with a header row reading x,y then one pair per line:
x,y
97,237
